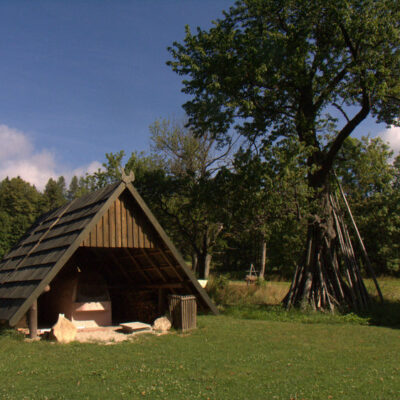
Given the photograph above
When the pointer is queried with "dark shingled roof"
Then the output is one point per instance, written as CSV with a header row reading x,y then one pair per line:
x,y
48,245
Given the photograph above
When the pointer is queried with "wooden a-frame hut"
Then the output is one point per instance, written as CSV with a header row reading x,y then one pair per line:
x,y
99,254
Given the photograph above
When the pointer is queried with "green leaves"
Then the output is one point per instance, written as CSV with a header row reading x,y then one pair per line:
x,y
20,205
275,68
54,194
370,180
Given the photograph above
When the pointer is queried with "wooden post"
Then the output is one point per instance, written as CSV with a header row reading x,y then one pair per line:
x,y
33,320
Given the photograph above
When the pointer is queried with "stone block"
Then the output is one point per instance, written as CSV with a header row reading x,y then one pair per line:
x,y
162,324
64,331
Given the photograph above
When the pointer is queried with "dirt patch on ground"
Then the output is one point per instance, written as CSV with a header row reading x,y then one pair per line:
x,y
101,335
106,335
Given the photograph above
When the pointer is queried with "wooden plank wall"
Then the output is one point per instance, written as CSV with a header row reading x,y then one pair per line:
x,y
123,225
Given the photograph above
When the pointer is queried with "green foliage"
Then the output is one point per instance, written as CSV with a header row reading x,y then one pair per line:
x,y
294,70
192,189
141,164
265,200
277,65
180,151
217,286
54,195
365,168
369,179
78,187
20,205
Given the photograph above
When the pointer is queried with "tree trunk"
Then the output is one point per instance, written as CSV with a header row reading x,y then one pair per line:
x,y
263,258
328,277
204,263
207,266
194,262
204,253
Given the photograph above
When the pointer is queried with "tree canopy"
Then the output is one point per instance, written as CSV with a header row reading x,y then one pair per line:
x,y
310,71
20,205
294,67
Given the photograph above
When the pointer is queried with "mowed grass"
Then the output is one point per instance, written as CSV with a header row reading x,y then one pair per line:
x,y
390,288
225,358
263,302
255,350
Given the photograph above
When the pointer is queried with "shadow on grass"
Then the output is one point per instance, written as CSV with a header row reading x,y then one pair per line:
x,y
385,314
381,314
6,332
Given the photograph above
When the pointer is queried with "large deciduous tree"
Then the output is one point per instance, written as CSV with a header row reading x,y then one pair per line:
x,y
300,69
265,194
189,202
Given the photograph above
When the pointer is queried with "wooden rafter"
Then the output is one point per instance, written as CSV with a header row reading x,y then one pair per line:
x,y
137,265
120,267
164,256
154,265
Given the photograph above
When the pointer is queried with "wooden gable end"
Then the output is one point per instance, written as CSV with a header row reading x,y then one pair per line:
x,y
122,225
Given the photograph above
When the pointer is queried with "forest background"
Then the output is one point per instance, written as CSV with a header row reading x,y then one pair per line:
x,y
227,207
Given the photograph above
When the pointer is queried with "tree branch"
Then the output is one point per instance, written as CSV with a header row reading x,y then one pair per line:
x,y
354,53
347,130
223,155
342,111
349,44
182,228
332,84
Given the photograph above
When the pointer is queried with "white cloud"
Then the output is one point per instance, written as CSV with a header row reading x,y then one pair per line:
x,y
92,167
18,157
392,137
13,143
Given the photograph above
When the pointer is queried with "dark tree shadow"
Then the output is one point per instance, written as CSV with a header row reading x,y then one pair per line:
x,y
384,314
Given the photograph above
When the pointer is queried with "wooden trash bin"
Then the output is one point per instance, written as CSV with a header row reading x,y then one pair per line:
x,y
183,311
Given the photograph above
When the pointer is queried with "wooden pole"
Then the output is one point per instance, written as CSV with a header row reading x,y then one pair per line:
x,y
33,320
364,250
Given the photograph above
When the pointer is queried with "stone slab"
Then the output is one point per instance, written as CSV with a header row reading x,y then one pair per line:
x,y
135,327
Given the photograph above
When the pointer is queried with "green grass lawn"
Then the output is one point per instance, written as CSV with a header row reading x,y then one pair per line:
x,y
225,358
256,350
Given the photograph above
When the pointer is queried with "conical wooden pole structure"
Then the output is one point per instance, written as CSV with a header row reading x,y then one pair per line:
x,y
363,249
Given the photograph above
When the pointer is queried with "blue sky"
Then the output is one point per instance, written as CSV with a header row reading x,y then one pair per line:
x,y
82,78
